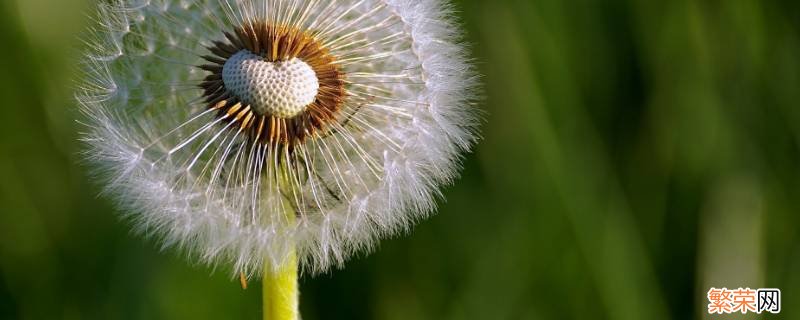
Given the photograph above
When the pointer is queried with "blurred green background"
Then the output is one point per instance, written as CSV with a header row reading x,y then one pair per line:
x,y
635,153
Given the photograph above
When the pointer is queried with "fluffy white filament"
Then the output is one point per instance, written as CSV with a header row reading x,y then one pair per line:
x,y
191,179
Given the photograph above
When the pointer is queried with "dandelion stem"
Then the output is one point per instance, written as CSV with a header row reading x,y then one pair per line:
x,y
280,290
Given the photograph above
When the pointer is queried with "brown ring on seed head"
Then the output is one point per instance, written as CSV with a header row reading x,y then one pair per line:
x,y
274,44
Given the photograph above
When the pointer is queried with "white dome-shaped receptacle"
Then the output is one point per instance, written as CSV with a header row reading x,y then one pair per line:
x,y
282,88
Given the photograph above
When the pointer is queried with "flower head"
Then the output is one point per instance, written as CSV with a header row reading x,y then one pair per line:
x,y
211,119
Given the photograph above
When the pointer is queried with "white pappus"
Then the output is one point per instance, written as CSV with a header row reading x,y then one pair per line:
x,y
206,123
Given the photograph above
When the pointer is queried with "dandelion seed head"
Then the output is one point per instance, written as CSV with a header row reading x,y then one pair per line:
x,y
208,120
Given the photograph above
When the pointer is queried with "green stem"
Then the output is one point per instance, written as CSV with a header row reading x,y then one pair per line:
x,y
280,289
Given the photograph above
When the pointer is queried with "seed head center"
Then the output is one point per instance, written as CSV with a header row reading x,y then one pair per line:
x,y
282,88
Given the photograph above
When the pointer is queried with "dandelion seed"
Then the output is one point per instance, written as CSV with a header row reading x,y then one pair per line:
x,y
256,132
